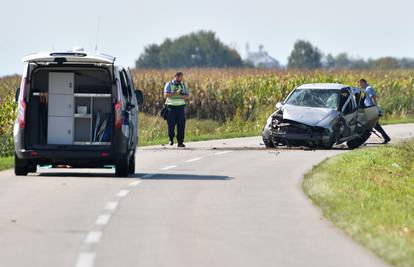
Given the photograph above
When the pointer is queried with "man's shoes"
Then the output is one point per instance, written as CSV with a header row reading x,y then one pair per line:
x,y
171,142
386,140
181,145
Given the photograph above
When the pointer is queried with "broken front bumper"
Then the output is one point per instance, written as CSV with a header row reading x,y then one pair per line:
x,y
295,134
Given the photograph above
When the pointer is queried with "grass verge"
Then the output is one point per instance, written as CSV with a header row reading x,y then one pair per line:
x,y
369,193
153,130
6,163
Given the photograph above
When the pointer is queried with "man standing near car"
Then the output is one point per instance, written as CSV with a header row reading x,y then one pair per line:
x,y
371,100
176,93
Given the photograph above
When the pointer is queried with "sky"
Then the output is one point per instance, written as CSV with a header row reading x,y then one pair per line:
x,y
363,28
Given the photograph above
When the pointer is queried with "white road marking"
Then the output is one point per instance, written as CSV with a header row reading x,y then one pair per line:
x,y
111,205
135,183
221,153
149,175
122,193
192,160
103,219
169,167
86,259
93,237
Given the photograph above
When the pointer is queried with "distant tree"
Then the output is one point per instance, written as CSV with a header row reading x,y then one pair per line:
x,y
304,56
150,57
329,61
385,63
200,49
342,61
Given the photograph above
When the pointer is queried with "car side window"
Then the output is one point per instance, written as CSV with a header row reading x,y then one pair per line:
x,y
347,101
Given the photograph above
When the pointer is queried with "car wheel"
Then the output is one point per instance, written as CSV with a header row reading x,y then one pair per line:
x,y
359,141
122,166
21,166
131,167
268,143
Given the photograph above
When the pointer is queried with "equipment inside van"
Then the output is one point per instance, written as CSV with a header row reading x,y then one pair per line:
x,y
76,109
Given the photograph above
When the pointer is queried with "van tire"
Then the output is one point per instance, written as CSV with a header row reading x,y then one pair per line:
x,y
122,167
21,166
32,168
131,164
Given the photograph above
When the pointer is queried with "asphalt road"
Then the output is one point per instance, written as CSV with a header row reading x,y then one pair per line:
x,y
216,203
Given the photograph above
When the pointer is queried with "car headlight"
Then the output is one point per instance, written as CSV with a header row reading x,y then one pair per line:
x,y
269,120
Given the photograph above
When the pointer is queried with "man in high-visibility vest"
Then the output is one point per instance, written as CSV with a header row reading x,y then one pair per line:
x,y
176,93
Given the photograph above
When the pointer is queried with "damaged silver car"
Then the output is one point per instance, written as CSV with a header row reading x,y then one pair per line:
x,y
320,116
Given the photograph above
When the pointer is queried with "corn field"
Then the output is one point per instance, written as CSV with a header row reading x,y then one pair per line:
x,y
242,95
222,94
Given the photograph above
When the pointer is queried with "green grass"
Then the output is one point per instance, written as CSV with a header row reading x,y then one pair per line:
x,y
153,130
397,120
6,163
369,193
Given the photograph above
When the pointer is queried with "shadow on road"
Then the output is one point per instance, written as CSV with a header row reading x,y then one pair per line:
x,y
77,174
142,176
167,176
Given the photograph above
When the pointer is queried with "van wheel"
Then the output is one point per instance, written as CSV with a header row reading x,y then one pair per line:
x,y
122,167
21,166
131,164
32,168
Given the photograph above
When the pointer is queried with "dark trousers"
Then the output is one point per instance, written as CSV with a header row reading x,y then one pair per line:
x,y
381,131
176,117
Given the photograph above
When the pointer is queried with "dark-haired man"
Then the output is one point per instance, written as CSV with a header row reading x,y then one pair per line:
x,y
176,93
371,100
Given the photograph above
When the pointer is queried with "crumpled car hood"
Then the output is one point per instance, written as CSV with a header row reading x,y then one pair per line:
x,y
307,115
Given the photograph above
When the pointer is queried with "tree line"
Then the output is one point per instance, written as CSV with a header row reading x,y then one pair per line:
x,y
204,49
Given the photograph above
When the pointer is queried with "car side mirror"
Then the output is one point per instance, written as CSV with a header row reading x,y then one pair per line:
x,y
16,96
279,105
139,96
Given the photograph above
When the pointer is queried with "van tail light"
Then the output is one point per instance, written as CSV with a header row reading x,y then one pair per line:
x,y
118,115
22,104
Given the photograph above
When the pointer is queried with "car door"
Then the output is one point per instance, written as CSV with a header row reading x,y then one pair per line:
x,y
349,111
134,109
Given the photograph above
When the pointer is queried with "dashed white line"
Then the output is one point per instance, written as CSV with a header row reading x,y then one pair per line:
x,y
103,219
122,193
86,259
93,237
169,167
111,205
134,183
192,160
221,153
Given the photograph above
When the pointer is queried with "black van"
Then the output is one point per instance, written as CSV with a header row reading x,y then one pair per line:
x,y
76,109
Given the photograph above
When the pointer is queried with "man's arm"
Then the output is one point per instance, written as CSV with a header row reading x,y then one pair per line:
x,y
371,93
374,99
167,91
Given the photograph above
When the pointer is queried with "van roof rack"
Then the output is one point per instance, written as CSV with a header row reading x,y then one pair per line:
x,y
69,57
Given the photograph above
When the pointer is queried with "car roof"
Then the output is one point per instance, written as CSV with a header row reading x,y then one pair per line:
x,y
70,56
331,86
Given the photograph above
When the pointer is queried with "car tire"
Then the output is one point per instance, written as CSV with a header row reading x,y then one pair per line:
x,y
21,166
122,166
268,143
131,164
357,142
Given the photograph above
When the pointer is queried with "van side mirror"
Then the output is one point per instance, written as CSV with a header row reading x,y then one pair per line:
x,y
139,96
16,96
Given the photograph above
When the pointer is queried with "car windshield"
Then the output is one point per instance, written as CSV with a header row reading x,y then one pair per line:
x,y
317,98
